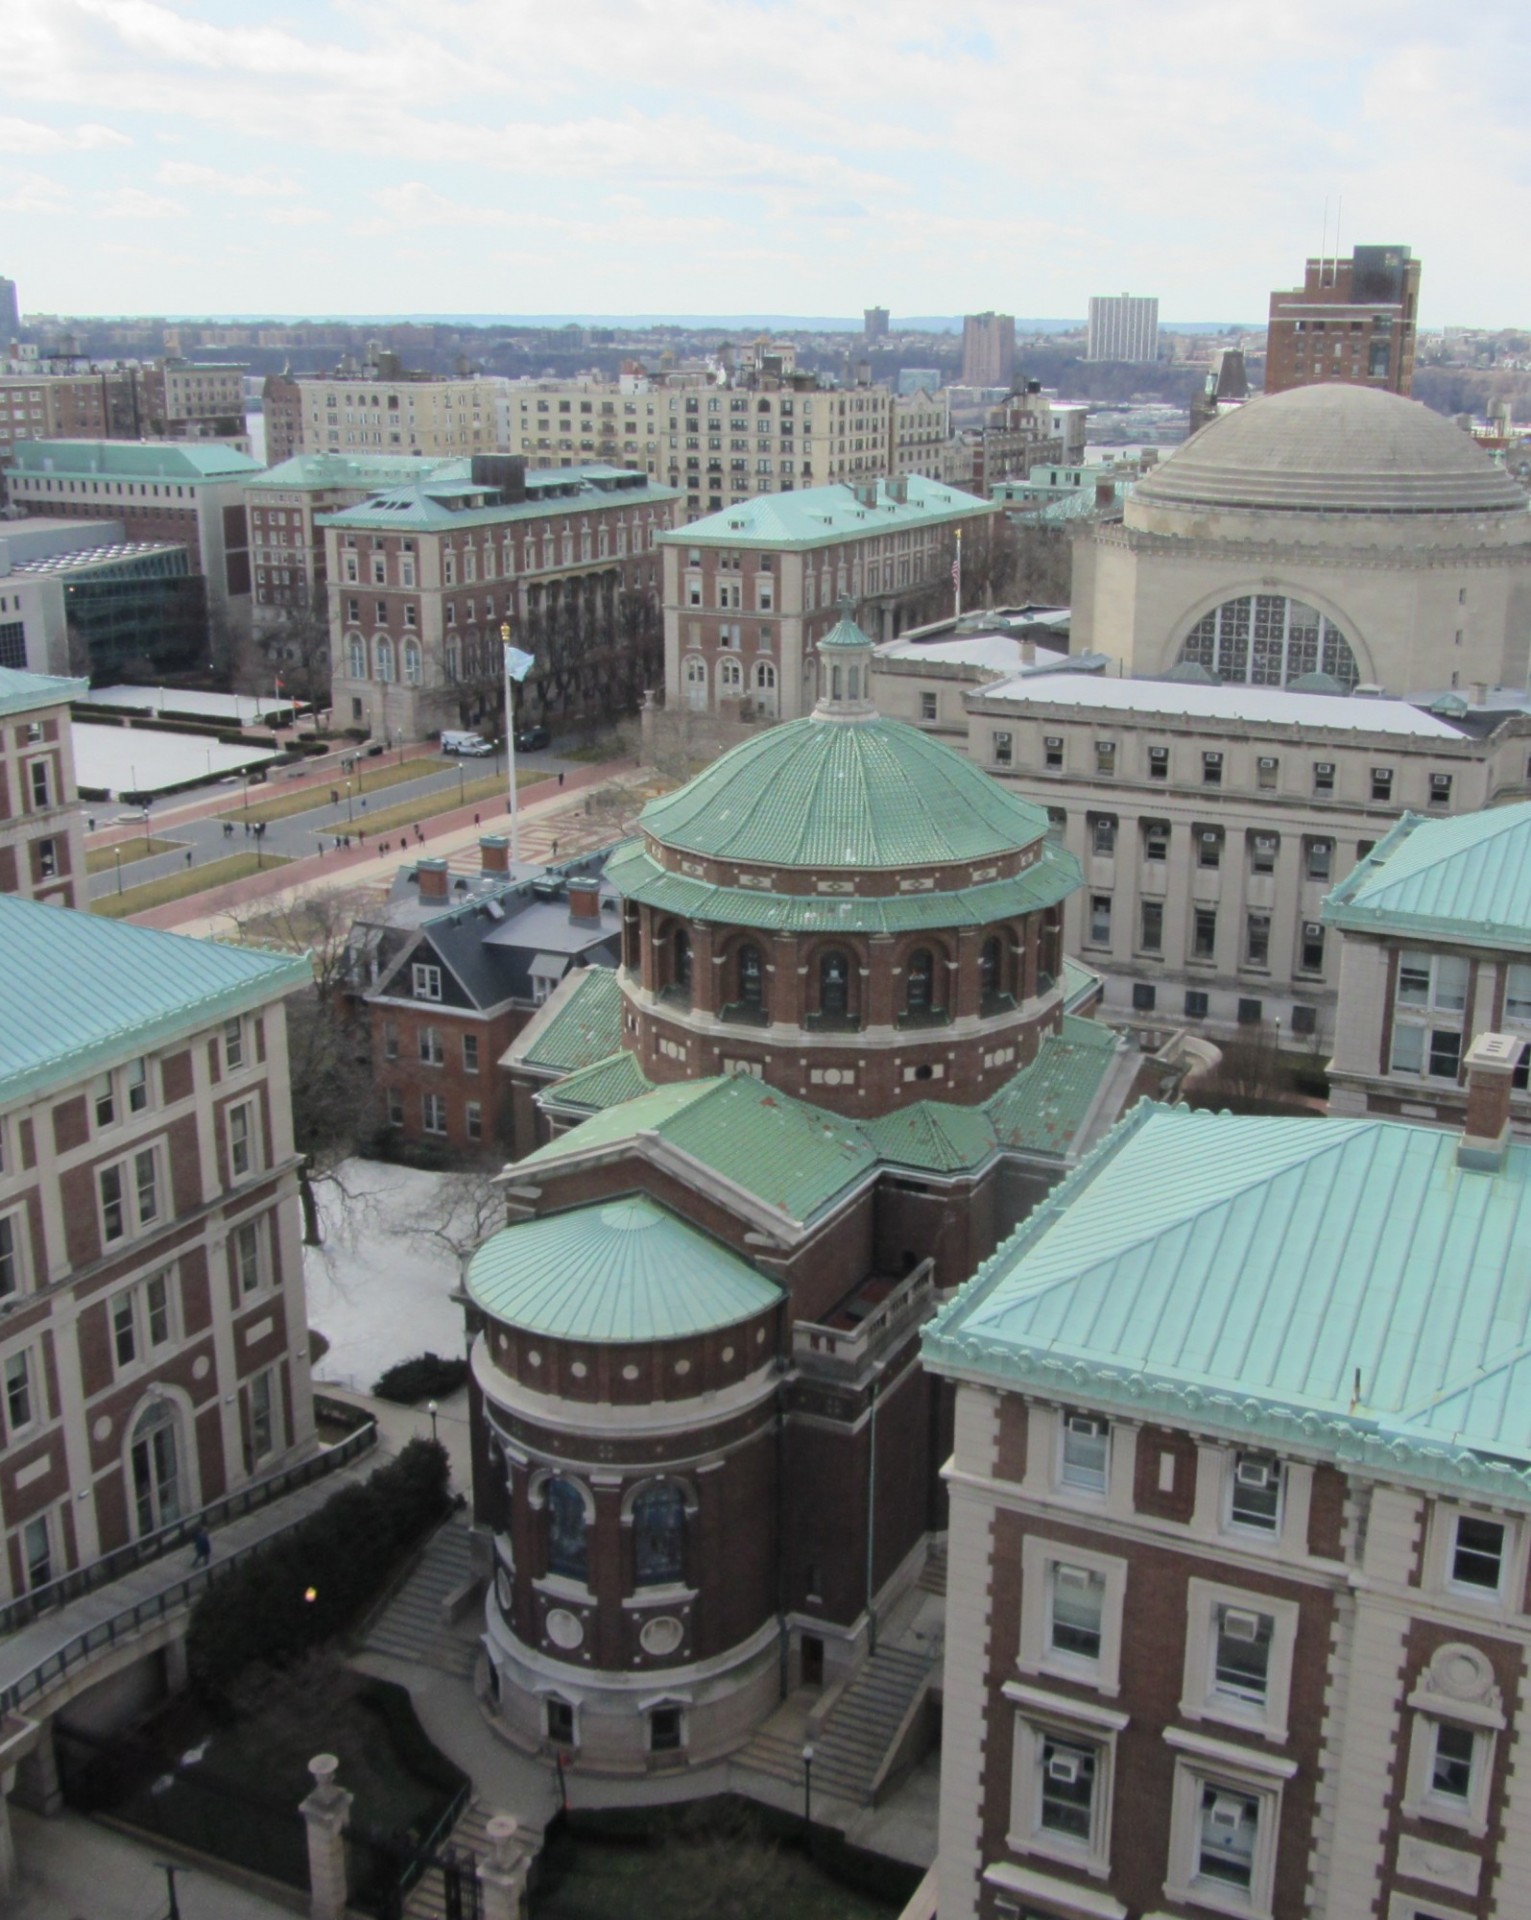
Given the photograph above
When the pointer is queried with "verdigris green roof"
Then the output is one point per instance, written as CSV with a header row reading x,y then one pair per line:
x,y
325,472
824,516
791,1156
933,1136
606,1084
1049,879
24,692
1467,878
844,633
586,1027
188,461
1079,983
622,1272
1043,1108
1338,1281
833,793
82,992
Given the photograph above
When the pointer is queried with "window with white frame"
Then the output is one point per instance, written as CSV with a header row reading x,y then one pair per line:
x,y
395,1105
1238,1657
1071,1612
470,1053
1084,1454
1458,1716
425,981
21,1399
233,1044
432,1051
1224,1822
433,1113
143,1321
1255,1484
12,1255
1061,1779
246,1267
263,1414
124,1090
37,1551
1477,1555
1517,993
244,1141
129,1193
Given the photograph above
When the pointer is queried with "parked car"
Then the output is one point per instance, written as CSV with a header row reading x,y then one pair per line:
x,y
473,744
533,739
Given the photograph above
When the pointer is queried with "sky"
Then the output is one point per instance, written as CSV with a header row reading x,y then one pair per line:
x,y
737,156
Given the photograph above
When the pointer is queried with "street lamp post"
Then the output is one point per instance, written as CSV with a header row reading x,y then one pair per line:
x,y
117,856
808,1794
431,1409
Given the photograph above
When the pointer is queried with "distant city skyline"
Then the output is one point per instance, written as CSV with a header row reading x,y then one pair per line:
x,y
165,156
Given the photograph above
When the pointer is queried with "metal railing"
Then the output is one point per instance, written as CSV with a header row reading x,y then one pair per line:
x,y
27,1607
845,1350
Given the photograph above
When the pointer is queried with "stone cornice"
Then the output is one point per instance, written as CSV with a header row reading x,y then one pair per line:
x,y
1294,554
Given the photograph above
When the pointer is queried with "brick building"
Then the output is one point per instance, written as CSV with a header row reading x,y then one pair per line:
x,y
168,400
423,576
1351,321
452,966
832,1071
748,592
42,835
153,1341
1240,1509
385,409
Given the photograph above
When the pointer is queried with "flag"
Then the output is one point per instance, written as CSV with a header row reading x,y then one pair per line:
x,y
957,571
518,664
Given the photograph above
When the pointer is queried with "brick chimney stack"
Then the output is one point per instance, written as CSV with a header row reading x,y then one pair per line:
x,y
585,899
432,876
1491,1062
494,854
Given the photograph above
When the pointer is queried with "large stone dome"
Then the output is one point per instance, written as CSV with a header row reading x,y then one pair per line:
x,y
1332,449
820,793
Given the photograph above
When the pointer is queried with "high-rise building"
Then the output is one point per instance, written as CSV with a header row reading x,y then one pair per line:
x,y
1351,320
988,350
1123,326
10,311
875,323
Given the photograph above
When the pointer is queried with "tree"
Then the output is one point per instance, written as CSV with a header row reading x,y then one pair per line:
x,y
328,1035
295,648
1043,567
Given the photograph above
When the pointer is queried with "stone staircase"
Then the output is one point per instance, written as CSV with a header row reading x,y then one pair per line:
x,y
853,1740
411,1625
933,1574
428,1897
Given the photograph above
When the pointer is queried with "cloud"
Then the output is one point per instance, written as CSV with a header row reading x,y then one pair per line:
x,y
34,193
31,136
259,184
132,203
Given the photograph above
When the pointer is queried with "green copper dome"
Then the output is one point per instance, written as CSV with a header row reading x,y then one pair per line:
x,y
827,793
625,1271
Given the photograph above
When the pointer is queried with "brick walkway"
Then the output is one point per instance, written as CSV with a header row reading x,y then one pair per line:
x,y
551,817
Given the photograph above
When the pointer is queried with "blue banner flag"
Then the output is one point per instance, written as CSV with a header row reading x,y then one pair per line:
x,y
518,664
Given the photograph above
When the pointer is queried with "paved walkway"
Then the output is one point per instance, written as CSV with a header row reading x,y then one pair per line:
x,y
71,1869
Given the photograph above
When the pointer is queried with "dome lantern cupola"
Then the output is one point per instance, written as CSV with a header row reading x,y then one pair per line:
x,y
846,682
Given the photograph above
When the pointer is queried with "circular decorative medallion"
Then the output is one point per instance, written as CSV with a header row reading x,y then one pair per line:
x,y
579,1369
683,1366
728,1354
102,1430
564,1629
629,1372
201,1367
661,1635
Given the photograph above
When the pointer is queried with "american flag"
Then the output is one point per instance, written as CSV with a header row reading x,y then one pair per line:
x,y
957,571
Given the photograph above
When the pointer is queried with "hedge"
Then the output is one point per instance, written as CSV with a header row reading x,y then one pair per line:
x,y
342,1555
427,1377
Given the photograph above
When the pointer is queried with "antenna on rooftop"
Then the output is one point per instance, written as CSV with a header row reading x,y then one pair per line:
x,y
1323,244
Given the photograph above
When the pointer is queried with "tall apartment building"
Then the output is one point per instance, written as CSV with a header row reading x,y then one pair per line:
x,y
749,592
1123,326
988,350
42,837
422,577
919,432
874,323
1351,321
188,493
195,400
388,410
170,400
766,433
1237,1617
10,311
282,409
153,1344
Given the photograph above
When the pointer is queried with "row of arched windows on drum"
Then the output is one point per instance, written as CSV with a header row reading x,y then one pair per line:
x,y
837,979
658,1519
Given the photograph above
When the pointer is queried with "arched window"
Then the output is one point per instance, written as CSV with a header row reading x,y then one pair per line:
x,y
696,682
358,657
568,1545
659,1534
681,958
835,985
412,663
751,978
919,993
1267,640
730,675
991,964
155,1460
385,659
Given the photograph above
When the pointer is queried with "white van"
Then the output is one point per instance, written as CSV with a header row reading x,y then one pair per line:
x,y
470,743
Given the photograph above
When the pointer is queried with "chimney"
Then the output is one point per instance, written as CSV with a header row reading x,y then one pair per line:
x,y
494,854
1491,1062
1105,493
585,899
432,878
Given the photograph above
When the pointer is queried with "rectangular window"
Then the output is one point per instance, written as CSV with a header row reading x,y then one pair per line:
x,y
432,1052
665,1730
104,1099
1211,769
47,859
1153,926
1478,1554
1229,1829
1100,920
10,1255
1052,753
1076,1612
927,706
1067,1789
136,1078
1195,1004
244,1257
1266,771
124,1331
1004,749
1382,784
38,771
38,1549
18,1391
1086,1451
1318,859
433,1113
241,1141
1517,991
395,1107
113,1212
1257,940
1204,933
390,1040
1255,1493
1310,952
1158,763
1241,1655
1209,847
1323,776
1156,840
1263,848
1103,833
1451,1766
474,1116
262,1415
157,1310
233,1044
425,981
146,1185
1445,1058
470,1053
1105,756
1440,789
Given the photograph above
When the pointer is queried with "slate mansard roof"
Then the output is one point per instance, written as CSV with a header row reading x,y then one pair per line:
x,y
1339,1284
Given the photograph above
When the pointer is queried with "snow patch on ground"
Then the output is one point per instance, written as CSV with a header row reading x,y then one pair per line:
x,y
380,1288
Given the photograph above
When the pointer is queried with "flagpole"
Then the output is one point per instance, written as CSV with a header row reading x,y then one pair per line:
x,y
510,747
957,574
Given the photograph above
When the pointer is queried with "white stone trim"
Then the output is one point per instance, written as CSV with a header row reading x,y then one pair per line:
x,y
1202,1748
1198,1698
969,1609
1025,1832
1078,1903
1437,1866
1420,1799
1212,1763
1064,1707
1039,1557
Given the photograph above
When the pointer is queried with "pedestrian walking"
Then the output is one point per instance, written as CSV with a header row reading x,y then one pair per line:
x,y
560,776
202,1545
188,856
334,796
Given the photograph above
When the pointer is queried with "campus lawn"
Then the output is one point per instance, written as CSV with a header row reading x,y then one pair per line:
x,y
184,881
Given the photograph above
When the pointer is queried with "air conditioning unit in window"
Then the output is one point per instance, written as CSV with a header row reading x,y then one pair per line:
x,y
1255,1473
1239,1625
1074,1579
1267,764
1210,836
1226,1815
1085,1423
1064,1768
